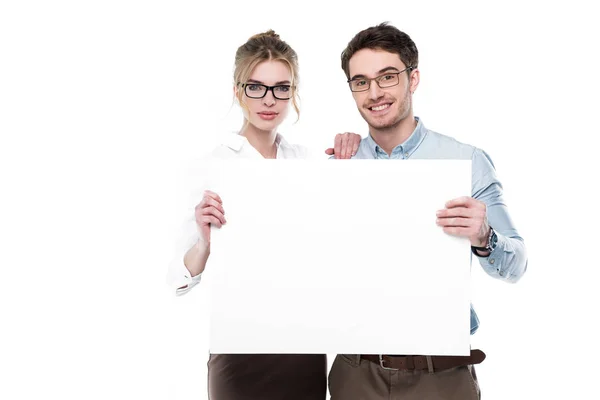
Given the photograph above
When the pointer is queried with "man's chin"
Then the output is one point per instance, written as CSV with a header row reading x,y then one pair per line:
x,y
382,125
378,123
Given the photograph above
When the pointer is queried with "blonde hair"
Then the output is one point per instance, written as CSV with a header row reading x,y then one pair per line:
x,y
261,47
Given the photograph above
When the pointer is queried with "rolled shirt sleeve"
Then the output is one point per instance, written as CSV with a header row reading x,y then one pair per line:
x,y
508,261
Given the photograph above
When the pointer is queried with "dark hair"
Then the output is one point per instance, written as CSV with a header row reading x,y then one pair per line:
x,y
382,37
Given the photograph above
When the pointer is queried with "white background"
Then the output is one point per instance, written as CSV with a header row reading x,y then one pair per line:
x,y
102,103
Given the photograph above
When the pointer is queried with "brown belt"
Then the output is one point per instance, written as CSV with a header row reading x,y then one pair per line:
x,y
420,362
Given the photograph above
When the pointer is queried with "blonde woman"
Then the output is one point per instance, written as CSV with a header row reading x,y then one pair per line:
x,y
265,82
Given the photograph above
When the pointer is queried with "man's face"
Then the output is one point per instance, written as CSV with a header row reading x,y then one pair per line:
x,y
382,108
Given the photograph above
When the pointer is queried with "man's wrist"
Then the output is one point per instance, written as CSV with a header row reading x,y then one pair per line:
x,y
484,240
490,245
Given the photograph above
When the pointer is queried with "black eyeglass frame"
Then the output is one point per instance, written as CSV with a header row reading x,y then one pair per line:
x,y
268,88
368,86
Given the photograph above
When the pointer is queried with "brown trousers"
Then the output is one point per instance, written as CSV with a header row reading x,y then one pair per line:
x,y
351,379
267,377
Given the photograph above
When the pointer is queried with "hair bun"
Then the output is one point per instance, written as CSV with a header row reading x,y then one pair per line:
x,y
270,33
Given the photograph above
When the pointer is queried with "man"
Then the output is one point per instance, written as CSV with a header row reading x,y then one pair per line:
x,y
381,64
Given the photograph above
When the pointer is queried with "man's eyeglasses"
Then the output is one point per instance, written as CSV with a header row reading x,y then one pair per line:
x,y
258,91
388,79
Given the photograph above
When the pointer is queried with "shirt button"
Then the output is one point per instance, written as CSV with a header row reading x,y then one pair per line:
x,y
406,155
492,261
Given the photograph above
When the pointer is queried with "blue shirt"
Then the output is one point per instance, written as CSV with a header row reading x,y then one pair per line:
x,y
508,261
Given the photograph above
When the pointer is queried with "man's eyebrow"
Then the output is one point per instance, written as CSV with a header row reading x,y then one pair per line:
x,y
386,69
359,76
381,71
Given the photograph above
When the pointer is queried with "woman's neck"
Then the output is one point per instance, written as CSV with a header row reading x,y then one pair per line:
x,y
262,141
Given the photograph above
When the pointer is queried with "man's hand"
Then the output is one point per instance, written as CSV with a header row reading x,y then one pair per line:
x,y
209,211
466,217
345,145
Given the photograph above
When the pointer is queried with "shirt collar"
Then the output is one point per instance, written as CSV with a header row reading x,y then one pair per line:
x,y
237,142
409,145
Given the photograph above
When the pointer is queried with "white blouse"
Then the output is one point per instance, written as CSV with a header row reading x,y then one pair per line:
x,y
233,146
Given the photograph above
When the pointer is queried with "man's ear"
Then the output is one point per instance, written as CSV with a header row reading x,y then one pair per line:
x,y
415,78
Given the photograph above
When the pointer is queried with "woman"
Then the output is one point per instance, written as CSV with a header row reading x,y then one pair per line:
x,y
265,81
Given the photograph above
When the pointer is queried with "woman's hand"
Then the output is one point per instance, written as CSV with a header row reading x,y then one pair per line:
x,y
209,212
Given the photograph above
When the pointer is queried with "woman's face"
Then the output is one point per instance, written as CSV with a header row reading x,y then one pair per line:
x,y
268,112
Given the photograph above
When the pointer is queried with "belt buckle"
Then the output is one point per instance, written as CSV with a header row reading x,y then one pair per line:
x,y
383,366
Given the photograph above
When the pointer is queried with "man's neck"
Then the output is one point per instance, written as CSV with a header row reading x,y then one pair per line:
x,y
391,137
262,141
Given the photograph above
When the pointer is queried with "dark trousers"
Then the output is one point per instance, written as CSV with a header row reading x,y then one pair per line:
x,y
267,377
353,378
